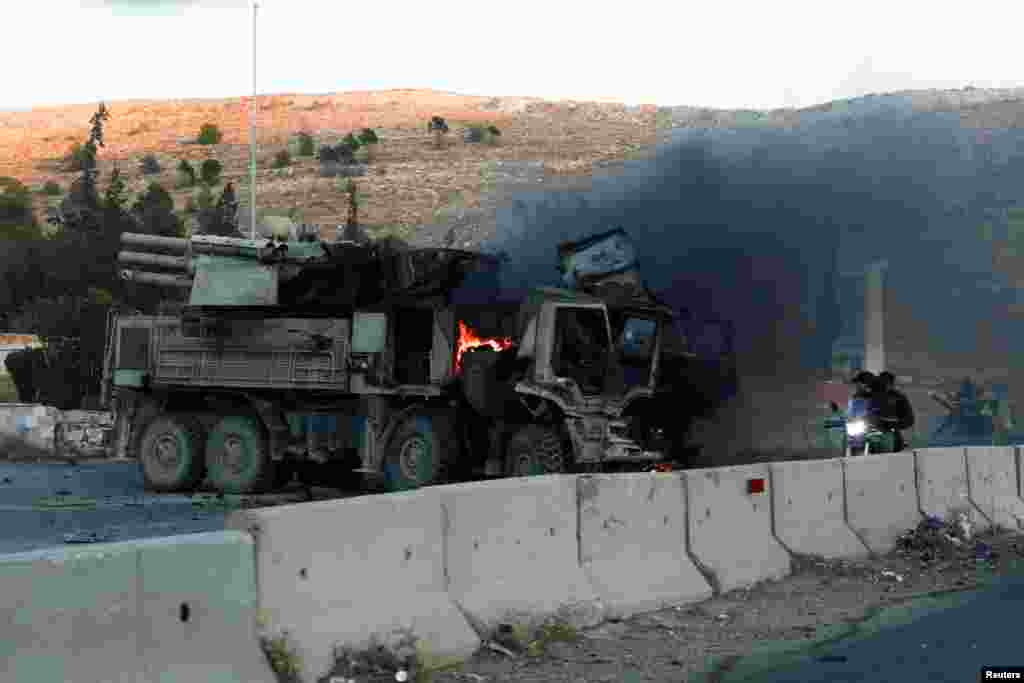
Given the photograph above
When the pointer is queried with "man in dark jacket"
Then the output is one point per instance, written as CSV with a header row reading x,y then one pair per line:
x,y
896,409
864,384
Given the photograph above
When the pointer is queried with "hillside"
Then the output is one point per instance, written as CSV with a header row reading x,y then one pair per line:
x,y
409,184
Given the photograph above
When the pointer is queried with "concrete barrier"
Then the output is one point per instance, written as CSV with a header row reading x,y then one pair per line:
x,y
942,488
808,509
27,428
30,429
633,542
512,553
881,498
178,608
83,433
344,571
729,518
993,487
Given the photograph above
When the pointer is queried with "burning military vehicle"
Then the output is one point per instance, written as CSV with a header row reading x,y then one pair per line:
x,y
329,359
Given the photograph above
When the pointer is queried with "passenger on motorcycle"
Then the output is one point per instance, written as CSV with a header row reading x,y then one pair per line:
x,y
896,411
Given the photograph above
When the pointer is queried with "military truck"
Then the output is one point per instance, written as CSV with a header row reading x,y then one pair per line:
x,y
331,360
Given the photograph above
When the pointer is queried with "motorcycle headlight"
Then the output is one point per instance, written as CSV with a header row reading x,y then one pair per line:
x,y
856,428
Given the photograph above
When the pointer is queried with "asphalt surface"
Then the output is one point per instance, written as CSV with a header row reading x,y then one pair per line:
x,y
43,505
940,639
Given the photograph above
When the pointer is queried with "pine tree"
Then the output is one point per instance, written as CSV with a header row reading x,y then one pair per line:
x,y
80,210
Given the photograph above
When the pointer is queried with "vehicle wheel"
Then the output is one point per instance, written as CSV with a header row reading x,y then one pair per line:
x,y
171,454
238,456
413,456
535,450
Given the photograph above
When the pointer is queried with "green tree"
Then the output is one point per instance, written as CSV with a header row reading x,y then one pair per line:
x,y
209,134
154,212
222,218
210,171
186,174
80,210
306,145
16,217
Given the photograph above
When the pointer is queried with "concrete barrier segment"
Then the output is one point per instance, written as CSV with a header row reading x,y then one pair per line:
x,y
345,572
177,608
808,510
993,487
942,488
633,542
27,428
729,519
512,553
881,498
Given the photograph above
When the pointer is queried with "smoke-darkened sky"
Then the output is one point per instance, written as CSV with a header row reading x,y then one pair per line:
x,y
744,224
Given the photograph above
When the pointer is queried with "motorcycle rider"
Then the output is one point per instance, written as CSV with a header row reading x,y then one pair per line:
x,y
864,384
896,411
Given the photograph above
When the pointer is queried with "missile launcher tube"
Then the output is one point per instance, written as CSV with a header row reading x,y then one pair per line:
x,y
159,279
135,258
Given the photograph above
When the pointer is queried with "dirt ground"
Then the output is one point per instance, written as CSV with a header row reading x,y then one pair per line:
x,y
409,183
704,640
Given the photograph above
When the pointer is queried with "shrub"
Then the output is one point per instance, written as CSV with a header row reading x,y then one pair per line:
x,y
351,142
190,205
307,146
368,137
204,199
150,165
438,127
282,159
154,211
210,171
186,174
76,158
52,188
209,134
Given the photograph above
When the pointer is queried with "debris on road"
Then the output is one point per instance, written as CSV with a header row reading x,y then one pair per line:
x,y
88,537
934,539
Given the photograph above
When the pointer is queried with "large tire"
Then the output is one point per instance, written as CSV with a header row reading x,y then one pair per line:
x,y
413,456
171,454
238,456
536,450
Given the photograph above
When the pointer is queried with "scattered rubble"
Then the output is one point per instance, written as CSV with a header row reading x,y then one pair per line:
x,y
77,537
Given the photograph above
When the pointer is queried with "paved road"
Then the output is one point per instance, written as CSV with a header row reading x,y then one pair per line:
x,y
942,639
49,504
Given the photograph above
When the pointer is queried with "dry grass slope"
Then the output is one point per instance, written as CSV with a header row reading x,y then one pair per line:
x,y
409,180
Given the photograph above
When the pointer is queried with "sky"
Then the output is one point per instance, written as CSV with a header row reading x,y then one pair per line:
x,y
726,55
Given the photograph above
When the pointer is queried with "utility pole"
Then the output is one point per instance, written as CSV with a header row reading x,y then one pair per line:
x,y
252,132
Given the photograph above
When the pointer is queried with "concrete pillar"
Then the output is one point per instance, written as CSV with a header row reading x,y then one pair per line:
x,y
874,317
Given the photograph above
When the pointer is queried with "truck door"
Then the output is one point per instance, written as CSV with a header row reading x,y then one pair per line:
x,y
582,347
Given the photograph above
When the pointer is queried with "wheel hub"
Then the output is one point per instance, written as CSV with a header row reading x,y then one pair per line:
x,y
165,451
413,451
234,450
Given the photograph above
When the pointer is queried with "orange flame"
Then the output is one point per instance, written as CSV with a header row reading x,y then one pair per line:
x,y
469,340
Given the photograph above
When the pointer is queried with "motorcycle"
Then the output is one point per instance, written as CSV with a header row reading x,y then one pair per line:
x,y
866,430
